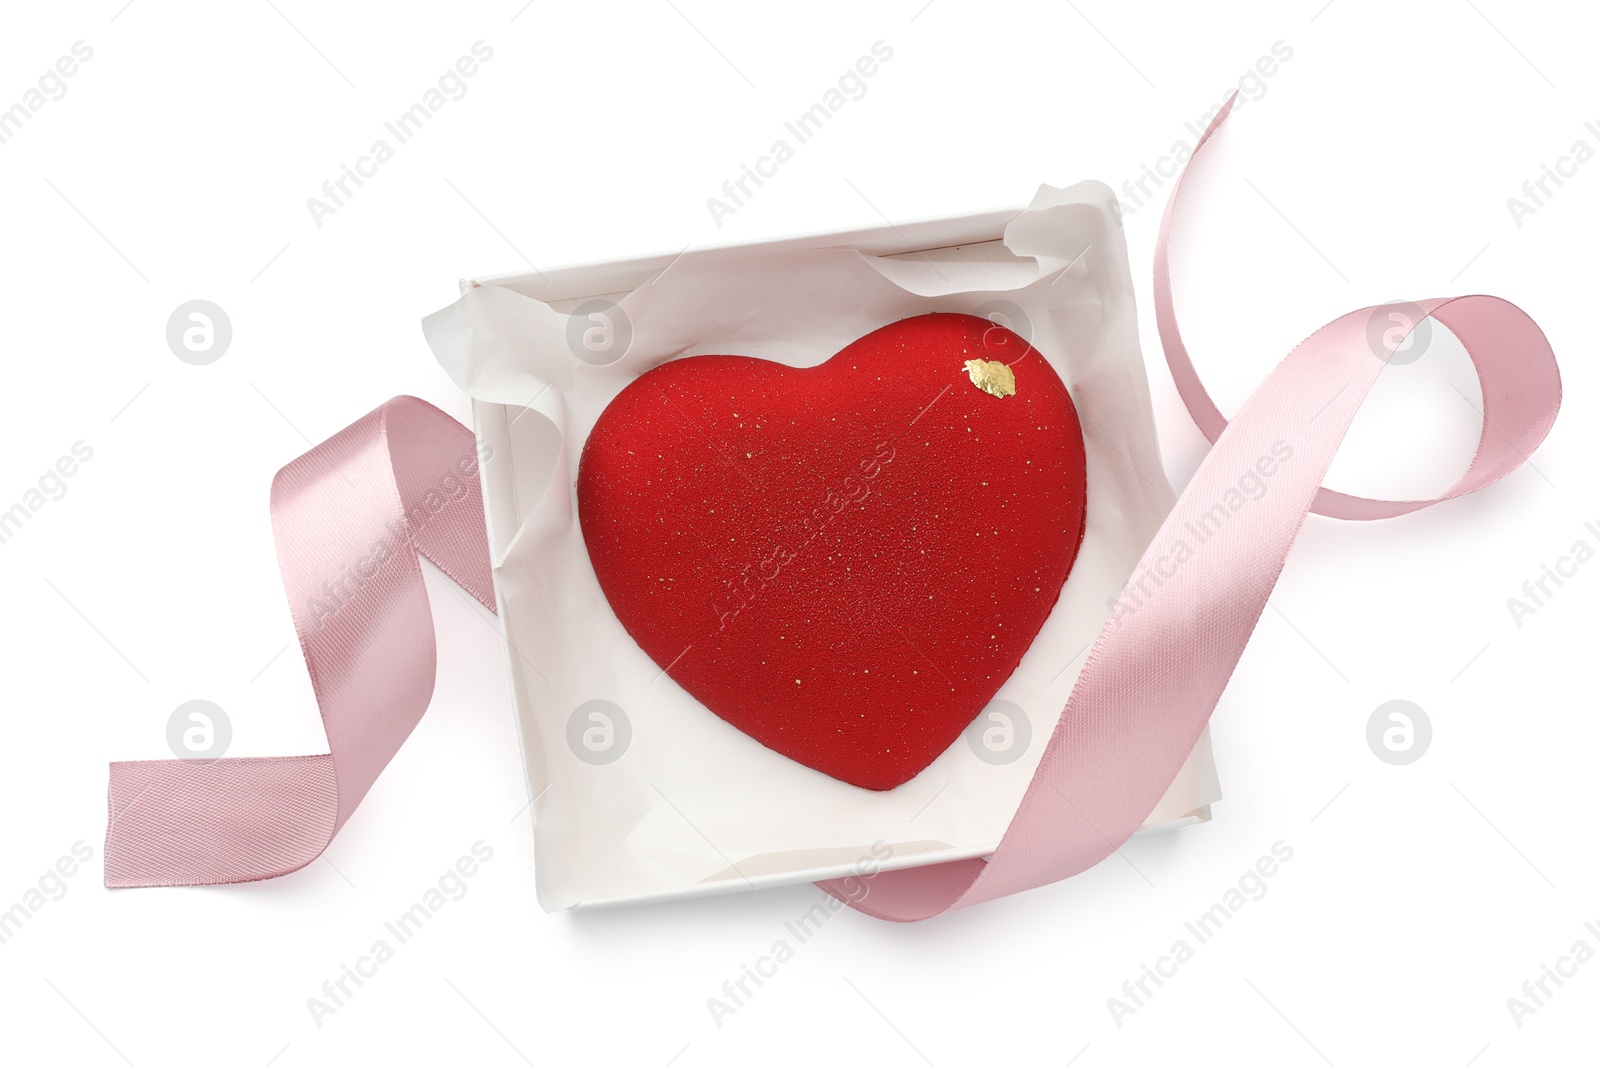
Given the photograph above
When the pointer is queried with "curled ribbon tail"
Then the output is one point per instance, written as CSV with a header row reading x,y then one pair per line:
x,y
1160,664
350,519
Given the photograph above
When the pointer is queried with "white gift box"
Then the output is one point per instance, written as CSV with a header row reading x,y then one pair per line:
x,y
639,792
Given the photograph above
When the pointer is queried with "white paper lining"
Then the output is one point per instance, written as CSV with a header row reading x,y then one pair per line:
x,y
688,804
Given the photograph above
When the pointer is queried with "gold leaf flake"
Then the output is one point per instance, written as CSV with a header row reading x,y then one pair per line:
x,y
992,376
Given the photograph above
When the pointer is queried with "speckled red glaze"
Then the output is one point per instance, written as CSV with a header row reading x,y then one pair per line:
x,y
845,561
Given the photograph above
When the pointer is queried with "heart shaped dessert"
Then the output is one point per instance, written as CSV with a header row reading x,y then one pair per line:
x,y
843,561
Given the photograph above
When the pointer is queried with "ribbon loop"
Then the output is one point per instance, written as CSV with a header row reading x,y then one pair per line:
x,y
1521,383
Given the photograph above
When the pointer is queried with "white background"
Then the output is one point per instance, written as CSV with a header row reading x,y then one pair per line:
x,y
1375,166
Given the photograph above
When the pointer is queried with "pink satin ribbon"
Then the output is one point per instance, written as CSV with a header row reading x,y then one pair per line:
x,y
1159,666
1148,688
350,518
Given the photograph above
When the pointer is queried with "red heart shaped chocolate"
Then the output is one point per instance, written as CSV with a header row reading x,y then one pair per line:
x,y
843,561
